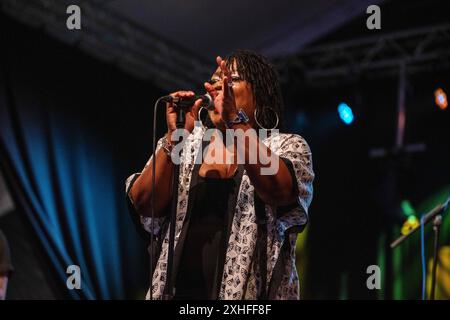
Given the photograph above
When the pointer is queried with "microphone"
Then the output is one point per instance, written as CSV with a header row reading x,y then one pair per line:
x,y
186,102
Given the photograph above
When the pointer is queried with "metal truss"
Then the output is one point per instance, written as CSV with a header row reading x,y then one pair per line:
x,y
418,50
110,37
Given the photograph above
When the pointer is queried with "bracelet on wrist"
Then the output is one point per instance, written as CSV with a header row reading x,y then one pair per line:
x,y
167,146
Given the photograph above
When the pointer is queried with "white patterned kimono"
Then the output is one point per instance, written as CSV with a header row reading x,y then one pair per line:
x,y
241,278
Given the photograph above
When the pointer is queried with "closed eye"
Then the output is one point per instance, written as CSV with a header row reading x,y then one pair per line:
x,y
213,81
233,79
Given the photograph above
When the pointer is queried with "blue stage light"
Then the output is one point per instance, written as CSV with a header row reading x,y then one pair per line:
x,y
345,113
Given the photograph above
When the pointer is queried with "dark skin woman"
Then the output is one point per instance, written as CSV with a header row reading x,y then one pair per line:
x,y
274,189
243,191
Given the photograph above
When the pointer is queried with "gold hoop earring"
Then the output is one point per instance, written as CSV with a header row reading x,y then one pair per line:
x,y
259,124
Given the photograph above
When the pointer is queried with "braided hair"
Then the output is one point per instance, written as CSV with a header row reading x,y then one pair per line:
x,y
257,70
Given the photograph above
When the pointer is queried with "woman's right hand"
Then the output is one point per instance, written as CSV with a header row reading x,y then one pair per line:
x,y
191,113
141,191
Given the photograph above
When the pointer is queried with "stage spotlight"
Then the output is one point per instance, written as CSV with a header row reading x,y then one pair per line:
x,y
409,225
345,113
440,97
407,208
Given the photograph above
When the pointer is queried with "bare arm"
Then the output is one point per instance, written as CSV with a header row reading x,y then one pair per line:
x,y
275,187
141,191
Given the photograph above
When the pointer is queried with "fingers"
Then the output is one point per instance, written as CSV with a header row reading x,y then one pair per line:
x,y
210,89
196,108
226,83
223,67
179,94
182,94
226,88
219,61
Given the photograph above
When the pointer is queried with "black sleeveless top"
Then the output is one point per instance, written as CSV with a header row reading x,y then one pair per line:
x,y
209,219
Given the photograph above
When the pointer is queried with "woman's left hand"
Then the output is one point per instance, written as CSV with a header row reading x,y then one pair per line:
x,y
224,100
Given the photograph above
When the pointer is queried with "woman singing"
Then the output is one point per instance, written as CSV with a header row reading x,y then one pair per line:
x,y
237,224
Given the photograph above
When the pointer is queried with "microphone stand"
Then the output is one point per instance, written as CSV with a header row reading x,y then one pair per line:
x,y
436,228
169,291
436,216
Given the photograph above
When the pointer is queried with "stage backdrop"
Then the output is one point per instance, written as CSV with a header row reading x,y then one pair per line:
x,y
66,125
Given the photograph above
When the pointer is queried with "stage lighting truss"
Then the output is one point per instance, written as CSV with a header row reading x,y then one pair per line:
x,y
423,49
113,38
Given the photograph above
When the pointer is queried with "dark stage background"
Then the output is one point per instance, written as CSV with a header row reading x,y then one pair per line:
x,y
74,127
72,130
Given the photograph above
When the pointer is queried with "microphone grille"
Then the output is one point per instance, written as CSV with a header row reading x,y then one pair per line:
x,y
208,102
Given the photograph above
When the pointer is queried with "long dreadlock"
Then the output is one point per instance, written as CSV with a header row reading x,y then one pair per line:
x,y
257,70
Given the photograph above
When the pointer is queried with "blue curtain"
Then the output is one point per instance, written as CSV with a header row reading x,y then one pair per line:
x,y
71,183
